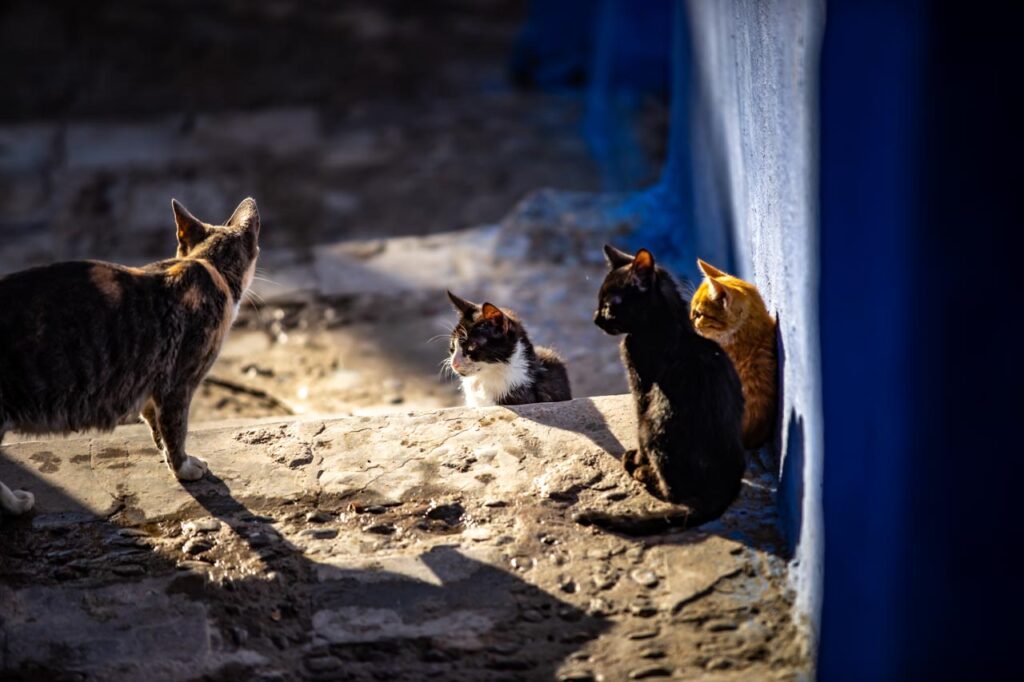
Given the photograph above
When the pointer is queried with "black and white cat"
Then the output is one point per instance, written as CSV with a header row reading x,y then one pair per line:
x,y
496,362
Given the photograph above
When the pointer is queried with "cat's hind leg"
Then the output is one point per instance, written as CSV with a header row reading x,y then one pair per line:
x,y
15,501
148,415
172,419
631,459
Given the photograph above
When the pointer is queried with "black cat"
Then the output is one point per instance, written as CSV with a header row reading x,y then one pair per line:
x,y
492,354
688,397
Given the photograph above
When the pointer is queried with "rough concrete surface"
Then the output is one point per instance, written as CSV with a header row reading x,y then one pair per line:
x,y
431,544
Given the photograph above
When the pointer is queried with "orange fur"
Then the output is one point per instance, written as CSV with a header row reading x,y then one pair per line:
x,y
731,312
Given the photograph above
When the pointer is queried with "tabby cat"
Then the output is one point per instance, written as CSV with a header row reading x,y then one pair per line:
x,y
688,399
731,312
85,344
493,356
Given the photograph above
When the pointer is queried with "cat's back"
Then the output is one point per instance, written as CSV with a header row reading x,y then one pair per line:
x,y
553,380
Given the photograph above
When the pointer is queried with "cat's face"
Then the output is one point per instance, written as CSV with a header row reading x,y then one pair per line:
x,y
234,245
484,336
721,303
623,304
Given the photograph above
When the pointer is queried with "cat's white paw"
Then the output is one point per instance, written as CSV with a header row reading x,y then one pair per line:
x,y
192,469
26,499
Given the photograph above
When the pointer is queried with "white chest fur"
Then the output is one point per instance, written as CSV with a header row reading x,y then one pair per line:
x,y
493,381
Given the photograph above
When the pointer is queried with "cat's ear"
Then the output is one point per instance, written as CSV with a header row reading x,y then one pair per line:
x,y
717,291
246,216
493,314
709,270
643,269
190,230
616,258
465,307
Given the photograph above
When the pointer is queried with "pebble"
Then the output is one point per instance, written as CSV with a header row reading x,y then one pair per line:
x,y
190,565
645,577
377,528
644,634
600,607
532,616
207,525
577,676
636,554
642,609
652,652
318,517
196,546
522,563
604,581
479,534
649,672
320,533
259,539
495,503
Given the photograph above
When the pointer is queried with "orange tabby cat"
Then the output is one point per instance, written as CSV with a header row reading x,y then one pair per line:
x,y
731,312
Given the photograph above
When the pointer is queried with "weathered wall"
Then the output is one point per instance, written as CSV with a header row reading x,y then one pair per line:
x,y
754,133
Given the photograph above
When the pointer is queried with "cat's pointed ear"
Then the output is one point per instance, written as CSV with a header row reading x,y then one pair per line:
x,y
643,269
708,269
717,291
465,307
246,216
492,313
191,230
616,258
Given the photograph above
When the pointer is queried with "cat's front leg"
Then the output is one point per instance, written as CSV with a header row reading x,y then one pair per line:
x,y
172,418
631,460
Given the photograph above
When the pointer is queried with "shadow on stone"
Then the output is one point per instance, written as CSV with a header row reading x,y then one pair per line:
x,y
579,416
81,596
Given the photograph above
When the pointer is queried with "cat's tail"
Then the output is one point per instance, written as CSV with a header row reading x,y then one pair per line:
x,y
652,523
15,501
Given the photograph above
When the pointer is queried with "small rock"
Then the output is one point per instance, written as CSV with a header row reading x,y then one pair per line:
x,y
377,528
646,633
190,565
207,525
576,676
522,563
718,663
195,546
478,534
598,553
567,585
531,616
133,532
649,672
259,539
642,609
616,496
636,553
495,503
600,607
604,581
318,517
372,509
320,533
644,577
548,539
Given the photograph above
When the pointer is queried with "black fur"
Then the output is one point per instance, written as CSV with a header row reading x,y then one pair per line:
x,y
491,338
688,398
86,345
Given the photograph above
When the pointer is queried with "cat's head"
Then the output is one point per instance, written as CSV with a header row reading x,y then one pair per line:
x,y
722,303
623,304
484,336
232,247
